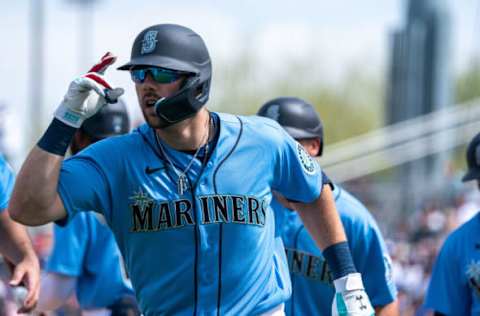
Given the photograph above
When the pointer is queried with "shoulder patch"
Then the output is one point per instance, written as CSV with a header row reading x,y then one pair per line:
x,y
388,267
309,165
473,275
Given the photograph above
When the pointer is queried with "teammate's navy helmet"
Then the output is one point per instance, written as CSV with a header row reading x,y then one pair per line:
x,y
111,120
473,160
296,116
176,48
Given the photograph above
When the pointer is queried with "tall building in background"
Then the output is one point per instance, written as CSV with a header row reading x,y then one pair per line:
x,y
419,83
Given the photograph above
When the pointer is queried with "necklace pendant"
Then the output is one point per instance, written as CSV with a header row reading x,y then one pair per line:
x,y
182,184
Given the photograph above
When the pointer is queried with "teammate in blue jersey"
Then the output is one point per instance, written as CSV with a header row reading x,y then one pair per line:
x,y
85,259
311,278
188,194
15,244
454,288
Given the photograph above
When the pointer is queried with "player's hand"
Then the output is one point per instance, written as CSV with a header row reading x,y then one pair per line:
x,y
350,297
26,280
87,94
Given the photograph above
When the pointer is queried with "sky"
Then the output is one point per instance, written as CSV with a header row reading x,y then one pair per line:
x,y
330,34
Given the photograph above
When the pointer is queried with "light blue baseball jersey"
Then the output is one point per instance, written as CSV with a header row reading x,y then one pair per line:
x,y
7,180
86,250
212,250
454,287
312,288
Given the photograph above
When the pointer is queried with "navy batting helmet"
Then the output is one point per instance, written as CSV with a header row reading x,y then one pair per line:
x,y
473,160
111,120
296,116
176,48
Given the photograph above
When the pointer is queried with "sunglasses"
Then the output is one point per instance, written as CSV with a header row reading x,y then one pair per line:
x,y
159,75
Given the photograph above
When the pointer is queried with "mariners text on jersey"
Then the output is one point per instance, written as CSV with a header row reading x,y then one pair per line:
x,y
149,215
309,266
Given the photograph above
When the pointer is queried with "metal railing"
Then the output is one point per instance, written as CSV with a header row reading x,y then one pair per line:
x,y
402,142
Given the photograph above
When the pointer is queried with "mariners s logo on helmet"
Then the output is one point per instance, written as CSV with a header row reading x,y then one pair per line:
x,y
149,42
309,165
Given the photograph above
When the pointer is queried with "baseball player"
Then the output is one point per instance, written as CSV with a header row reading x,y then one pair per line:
x,y
15,244
85,258
188,194
454,287
312,288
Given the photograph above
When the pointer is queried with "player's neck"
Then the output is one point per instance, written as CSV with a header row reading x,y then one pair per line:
x,y
188,134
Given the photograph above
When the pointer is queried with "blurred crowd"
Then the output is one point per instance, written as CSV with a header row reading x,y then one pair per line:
x,y
415,242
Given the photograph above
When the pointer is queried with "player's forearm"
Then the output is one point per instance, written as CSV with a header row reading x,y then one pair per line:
x,y
388,310
16,244
35,191
322,220
324,225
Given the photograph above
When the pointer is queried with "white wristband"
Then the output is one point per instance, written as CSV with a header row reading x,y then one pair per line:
x,y
350,282
69,117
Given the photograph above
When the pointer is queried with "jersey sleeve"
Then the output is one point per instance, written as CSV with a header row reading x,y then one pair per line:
x,y
7,180
374,263
297,175
83,186
70,245
446,292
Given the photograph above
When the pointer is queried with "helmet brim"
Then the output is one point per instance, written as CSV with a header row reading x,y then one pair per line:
x,y
160,61
298,133
471,174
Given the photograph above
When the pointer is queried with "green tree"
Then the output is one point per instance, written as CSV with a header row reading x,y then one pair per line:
x,y
467,84
348,108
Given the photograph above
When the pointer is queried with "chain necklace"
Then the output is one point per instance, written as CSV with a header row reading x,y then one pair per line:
x,y
182,181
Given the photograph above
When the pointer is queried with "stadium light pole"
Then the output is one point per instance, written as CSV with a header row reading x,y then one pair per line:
x,y
36,57
85,31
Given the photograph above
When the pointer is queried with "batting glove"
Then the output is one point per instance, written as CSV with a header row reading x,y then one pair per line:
x,y
350,297
87,94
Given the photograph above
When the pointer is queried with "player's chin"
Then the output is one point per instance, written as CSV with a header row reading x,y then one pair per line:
x,y
154,121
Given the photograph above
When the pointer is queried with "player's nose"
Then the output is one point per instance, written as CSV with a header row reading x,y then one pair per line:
x,y
149,79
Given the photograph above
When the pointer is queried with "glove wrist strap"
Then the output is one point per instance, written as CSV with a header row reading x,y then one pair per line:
x,y
57,137
349,282
68,117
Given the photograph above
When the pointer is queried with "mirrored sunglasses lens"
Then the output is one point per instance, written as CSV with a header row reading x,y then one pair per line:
x,y
163,76
138,75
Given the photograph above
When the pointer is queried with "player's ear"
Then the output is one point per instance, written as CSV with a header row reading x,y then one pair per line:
x,y
313,146
319,146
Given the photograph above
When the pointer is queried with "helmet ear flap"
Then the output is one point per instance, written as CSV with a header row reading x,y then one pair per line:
x,y
202,92
183,104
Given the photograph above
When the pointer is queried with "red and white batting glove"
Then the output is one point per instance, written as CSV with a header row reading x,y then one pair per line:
x,y
87,94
